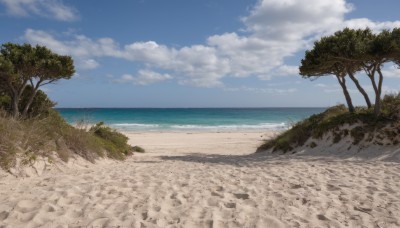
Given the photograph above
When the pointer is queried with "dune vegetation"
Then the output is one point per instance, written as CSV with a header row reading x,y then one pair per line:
x,y
361,125
29,126
343,55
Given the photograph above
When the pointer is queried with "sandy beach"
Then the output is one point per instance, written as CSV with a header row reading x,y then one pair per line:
x,y
206,180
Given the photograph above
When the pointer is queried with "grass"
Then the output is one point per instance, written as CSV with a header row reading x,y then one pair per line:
x,y
114,142
318,125
138,149
42,136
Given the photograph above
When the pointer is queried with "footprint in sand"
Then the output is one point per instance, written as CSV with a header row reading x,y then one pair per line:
x,y
25,206
322,217
243,196
230,205
157,208
216,194
3,215
330,187
144,215
212,202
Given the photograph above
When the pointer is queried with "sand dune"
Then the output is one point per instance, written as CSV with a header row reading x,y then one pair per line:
x,y
184,182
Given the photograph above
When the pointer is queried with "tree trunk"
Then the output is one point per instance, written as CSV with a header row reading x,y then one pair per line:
x,y
362,91
342,82
16,96
15,102
377,108
28,105
377,88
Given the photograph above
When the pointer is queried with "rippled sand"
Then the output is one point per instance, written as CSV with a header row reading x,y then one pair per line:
x,y
207,180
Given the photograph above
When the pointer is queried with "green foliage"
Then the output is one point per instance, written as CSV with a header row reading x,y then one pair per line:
x,y
41,103
41,136
9,133
337,54
5,102
138,149
350,51
316,126
391,106
23,65
115,143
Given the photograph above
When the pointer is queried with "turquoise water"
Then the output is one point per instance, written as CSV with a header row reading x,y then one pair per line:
x,y
190,119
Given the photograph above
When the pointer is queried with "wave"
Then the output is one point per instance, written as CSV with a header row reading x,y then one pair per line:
x,y
186,127
132,125
274,126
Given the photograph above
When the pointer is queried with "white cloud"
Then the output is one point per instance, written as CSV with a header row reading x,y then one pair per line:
x,y
44,8
261,90
360,23
282,70
274,30
321,85
144,77
389,90
294,20
391,72
80,46
88,64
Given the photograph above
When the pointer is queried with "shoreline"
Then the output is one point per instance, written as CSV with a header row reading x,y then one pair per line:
x,y
206,129
194,141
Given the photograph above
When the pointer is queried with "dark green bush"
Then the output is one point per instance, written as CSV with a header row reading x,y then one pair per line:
x,y
41,104
5,102
391,106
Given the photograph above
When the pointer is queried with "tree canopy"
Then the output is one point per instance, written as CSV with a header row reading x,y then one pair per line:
x,y
350,51
25,65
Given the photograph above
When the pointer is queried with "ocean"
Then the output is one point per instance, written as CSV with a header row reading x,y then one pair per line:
x,y
189,119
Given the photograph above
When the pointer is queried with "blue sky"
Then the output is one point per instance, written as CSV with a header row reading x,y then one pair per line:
x,y
192,53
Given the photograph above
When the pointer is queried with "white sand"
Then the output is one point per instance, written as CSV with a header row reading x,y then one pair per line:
x,y
207,180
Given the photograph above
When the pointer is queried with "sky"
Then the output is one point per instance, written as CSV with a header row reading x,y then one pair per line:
x,y
193,53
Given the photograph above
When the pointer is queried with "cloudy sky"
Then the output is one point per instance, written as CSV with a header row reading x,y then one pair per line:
x,y
192,53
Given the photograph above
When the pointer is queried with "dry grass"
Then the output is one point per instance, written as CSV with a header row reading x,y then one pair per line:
x,y
42,136
381,129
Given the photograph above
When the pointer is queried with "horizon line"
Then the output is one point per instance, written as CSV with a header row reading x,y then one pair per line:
x,y
187,107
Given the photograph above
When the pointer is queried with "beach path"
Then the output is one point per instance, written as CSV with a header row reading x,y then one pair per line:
x,y
206,180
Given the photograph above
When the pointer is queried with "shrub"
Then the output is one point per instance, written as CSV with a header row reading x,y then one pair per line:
x,y
5,102
40,136
316,126
114,142
303,130
391,106
138,149
41,103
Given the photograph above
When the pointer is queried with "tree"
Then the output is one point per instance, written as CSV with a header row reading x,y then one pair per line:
x,y
349,45
40,105
396,46
319,62
339,55
23,65
380,50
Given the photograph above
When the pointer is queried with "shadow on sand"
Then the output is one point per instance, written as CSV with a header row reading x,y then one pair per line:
x,y
276,159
